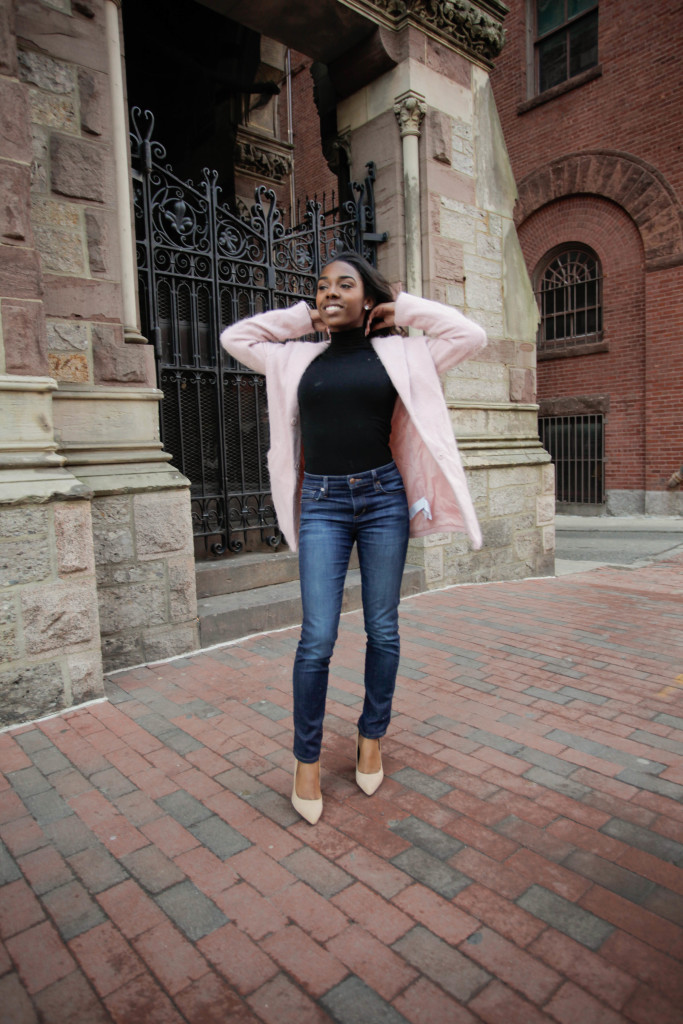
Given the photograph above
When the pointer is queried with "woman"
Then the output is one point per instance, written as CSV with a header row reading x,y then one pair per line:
x,y
366,406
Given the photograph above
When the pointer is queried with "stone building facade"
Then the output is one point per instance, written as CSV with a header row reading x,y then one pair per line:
x,y
96,551
595,150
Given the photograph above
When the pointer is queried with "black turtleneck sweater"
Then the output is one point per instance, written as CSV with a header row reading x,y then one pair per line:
x,y
346,401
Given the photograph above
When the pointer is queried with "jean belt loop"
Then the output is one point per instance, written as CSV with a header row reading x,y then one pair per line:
x,y
375,480
324,488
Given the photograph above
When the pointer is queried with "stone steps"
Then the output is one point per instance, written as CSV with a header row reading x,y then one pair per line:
x,y
263,594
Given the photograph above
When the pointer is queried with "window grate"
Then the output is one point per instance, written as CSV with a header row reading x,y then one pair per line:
x,y
569,296
577,447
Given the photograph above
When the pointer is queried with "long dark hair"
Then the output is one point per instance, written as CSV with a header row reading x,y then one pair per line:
x,y
375,285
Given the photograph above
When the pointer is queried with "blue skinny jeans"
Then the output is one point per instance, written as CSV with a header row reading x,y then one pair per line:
x,y
371,509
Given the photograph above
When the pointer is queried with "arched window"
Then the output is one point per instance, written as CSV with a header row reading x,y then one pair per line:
x,y
569,296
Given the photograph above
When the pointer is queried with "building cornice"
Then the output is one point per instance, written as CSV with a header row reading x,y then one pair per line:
x,y
473,28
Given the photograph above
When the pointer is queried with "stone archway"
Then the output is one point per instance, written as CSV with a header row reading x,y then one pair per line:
x,y
632,183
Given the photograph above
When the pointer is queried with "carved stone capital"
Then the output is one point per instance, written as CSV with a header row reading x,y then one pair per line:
x,y
410,109
265,158
471,26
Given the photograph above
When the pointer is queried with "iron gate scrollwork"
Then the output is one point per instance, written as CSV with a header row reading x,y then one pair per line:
x,y
202,267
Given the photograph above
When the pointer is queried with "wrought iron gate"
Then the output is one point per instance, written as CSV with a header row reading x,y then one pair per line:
x,y
202,267
577,447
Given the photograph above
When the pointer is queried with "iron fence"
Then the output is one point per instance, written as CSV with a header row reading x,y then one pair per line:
x,y
577,447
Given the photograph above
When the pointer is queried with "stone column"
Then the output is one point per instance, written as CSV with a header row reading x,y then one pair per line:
x,y
470,259
410,110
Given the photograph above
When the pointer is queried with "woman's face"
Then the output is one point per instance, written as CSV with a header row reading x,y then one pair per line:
x,y
341,300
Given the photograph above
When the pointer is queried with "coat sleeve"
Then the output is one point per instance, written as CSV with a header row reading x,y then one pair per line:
x,y
451,336
249,341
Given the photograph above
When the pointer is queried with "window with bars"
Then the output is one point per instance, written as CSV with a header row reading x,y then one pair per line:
x,y
577,447
569,296
565,40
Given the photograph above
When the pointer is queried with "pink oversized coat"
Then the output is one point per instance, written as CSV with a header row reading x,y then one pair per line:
x,y
422,440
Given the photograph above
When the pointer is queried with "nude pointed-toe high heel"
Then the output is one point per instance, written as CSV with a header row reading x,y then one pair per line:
x,y
310,810
369,782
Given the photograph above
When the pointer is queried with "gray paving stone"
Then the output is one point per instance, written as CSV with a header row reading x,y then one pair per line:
x,y
194,913
317,871
547,761
49,760
490,739
425,641
559,783
475,684
153,869
112,783
269,710
443,722
427,837
28,782
241,783
672,720
661,742
566,917
184,808
274,807
114,693
551,695
444,965
181,741
9,870
611,876
97,869
585,695
643,780
47,807
411,673
644,839
421,783
352,1001
343,696
70,835
432,872
611,754
32,741
421,728
72,910
219,837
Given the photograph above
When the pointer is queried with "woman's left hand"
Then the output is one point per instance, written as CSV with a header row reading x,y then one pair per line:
x,y
380,316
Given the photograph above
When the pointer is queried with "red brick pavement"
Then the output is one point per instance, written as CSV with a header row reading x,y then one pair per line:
x,y
521,862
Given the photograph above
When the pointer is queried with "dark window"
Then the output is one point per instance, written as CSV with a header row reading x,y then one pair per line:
x,y
577,447
566,40
569,296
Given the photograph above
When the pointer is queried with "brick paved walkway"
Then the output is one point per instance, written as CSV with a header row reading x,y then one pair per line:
x,y
521,862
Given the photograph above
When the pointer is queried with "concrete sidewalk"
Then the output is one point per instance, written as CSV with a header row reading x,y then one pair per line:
x,y
520,863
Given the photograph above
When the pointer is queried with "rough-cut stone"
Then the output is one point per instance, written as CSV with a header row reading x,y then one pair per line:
x,y
92,90
53,110
127,608
61,251
109,575
73,535
23,330
113,544
439,130
182,590
9,643
20,274
67,336
24,561
170,641
162,523
48,74
58,615
78,168
111,509
8,43
23,522
115,362
85,671
15,136
31,691
40,163
72,368
98,241
122,651
545,509
15,212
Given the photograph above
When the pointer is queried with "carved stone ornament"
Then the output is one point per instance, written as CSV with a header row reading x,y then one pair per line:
x,y
460,22
263,162
410,110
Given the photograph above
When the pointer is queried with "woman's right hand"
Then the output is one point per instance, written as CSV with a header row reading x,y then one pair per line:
x,y
317,321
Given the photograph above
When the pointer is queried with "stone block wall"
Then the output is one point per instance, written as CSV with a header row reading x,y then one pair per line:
x,y
145,576
49,629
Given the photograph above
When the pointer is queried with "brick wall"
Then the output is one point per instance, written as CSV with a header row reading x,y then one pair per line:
x,y
622,198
